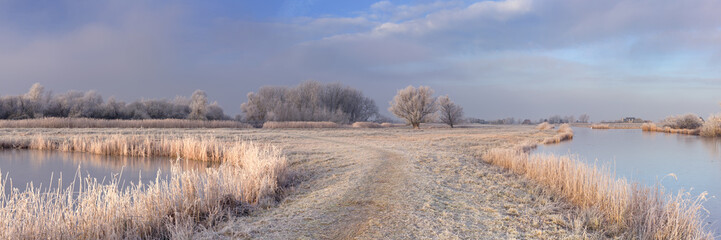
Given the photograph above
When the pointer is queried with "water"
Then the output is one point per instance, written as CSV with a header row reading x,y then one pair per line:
x,y
26,166
649,157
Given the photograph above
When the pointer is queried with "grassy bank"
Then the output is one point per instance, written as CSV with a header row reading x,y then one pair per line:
x,y
179,206
606,204
117,123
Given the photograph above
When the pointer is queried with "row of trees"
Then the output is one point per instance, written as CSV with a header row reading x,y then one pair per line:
x,y
309,101
38,103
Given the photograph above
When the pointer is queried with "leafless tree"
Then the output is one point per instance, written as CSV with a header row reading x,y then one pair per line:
x,y
584,118
415,105
198,105
450,113
309,101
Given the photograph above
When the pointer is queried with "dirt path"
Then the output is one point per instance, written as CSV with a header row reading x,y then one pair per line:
x,y
365,184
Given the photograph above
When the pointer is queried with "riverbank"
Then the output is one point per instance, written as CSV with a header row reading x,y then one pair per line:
x,y
389,183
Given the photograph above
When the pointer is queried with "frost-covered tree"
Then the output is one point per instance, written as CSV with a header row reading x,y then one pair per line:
x,y
415,105
309,101
450,113
198,105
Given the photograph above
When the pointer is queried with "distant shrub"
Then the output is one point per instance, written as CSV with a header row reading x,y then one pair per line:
x,y
712,127
687,121
300,125
366,125
544,126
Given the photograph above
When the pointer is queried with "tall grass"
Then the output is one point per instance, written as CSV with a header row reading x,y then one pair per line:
x,y
300,125
387,125
184,202
564,133
117,123
544,126
600,126
366,125
614,206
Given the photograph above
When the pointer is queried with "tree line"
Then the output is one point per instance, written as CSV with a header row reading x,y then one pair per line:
x,y
38,103
309,101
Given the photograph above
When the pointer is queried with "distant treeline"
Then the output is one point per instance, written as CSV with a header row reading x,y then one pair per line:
x,y
309,101
37,103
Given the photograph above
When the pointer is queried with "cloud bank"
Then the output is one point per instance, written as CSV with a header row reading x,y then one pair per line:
x,y
520,58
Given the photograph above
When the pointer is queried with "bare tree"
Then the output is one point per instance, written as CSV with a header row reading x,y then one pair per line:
x,y
415,105
584,118
198,105
451,113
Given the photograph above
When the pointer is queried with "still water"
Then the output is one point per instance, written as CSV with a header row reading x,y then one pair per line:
x,y
23,167
648,157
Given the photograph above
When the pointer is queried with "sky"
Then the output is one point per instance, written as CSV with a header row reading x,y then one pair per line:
x,y
511,58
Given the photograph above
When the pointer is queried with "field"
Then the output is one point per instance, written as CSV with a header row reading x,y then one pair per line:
x,y
385,183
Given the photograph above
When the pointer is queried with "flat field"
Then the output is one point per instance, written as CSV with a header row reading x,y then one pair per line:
x,y
386,183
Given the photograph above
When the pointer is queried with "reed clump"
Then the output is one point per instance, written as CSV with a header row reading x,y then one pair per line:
x,y
544,126
366,125
300,125
614,206
564,133
185,202
118,123
600,126
711,127
652,127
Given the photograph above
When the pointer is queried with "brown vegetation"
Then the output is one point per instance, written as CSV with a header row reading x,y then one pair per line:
x,y
651,127
117,123
300,125
712,127
544,126
607,204
183,203
600,126
387,125
564,133
366,125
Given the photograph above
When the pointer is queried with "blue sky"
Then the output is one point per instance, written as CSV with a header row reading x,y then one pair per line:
x,y
511,58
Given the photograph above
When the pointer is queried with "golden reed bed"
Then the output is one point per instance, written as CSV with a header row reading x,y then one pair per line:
x,y
611,205
175,207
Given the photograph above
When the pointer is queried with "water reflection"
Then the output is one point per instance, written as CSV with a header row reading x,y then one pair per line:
x,y
648,157
26,166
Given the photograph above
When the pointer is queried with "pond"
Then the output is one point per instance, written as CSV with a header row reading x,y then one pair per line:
x,y
23,167
649,158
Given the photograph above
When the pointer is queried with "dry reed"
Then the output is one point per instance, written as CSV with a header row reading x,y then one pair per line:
x,y
711,127
117,123
610,205
184,202
564,133
366,125
300,125
651,127
387,125
600,126
544,126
